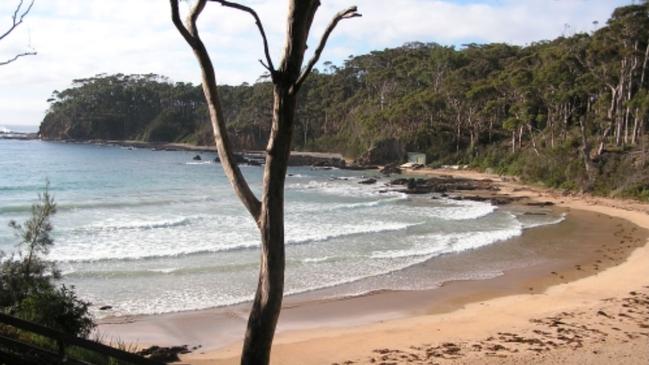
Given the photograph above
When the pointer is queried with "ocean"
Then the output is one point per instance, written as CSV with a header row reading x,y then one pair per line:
x,y
155,231
18,128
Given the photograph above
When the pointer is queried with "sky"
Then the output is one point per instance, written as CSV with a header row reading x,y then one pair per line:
x,y
81,38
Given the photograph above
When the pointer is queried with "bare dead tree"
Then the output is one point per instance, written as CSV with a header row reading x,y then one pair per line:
x,y
268,213
16,19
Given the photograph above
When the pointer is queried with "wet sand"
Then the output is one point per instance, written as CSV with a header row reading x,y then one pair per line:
x,y
313,330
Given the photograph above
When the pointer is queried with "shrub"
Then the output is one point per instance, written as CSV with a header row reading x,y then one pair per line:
x,y
28,287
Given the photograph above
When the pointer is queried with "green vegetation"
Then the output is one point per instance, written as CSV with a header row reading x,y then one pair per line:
x,y
569,113
28,287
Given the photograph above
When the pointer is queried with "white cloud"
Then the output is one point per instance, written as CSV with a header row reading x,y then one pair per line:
x,y
80,38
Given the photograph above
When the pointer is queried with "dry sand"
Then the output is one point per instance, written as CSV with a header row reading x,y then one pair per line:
x,y
601,318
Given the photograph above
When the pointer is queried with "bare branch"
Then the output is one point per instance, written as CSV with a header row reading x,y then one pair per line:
x,y
2,63
18,17
269,62
189,31
265,66
351,12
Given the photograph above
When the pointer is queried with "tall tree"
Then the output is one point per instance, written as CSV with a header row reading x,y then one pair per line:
x,y
268,213
17,18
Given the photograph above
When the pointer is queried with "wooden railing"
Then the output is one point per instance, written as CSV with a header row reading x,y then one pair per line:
x,y
10,348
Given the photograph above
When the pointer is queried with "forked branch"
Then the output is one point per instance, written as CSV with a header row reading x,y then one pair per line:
x,y
269,61
17,18
189,31
351,12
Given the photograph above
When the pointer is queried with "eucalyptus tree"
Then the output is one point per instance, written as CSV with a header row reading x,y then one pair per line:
x,y
268,213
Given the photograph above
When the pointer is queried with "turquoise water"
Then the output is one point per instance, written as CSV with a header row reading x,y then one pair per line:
x,y
154,231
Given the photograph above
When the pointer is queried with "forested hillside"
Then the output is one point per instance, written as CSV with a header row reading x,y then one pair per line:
x,y
571,113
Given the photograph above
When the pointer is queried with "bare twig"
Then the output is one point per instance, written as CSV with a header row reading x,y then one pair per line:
x,y
269,62
18,17
351,12
14,58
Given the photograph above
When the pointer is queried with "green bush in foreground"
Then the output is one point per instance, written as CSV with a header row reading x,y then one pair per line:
x,y
28,288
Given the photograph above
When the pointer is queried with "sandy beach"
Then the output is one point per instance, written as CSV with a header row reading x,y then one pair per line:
x,y
584,303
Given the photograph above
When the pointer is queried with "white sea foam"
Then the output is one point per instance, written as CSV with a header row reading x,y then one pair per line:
x,y
106,246
550,221
435,245
113,225
332,231
343,188
453,212
424,248
315,259
164,270
369,204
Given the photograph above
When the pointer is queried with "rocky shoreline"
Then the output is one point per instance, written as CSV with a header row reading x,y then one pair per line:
x,y
454,187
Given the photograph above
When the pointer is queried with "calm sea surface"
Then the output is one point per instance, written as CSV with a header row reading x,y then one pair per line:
x,y
151,231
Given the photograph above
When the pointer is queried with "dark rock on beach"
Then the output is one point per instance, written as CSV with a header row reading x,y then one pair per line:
x,y
369,181
476,198
493,199
540,204
504,200
357,167
164,354
402,181
443,184
390,169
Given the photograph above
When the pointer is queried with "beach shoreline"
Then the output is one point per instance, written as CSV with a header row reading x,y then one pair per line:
x,y
301,324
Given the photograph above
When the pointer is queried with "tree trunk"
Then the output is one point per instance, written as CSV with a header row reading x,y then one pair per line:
x,y
602,140
636,119
531,132
551,126
270,288
610,115
619,117
458,131
585,149
269,213
629,94
491,125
